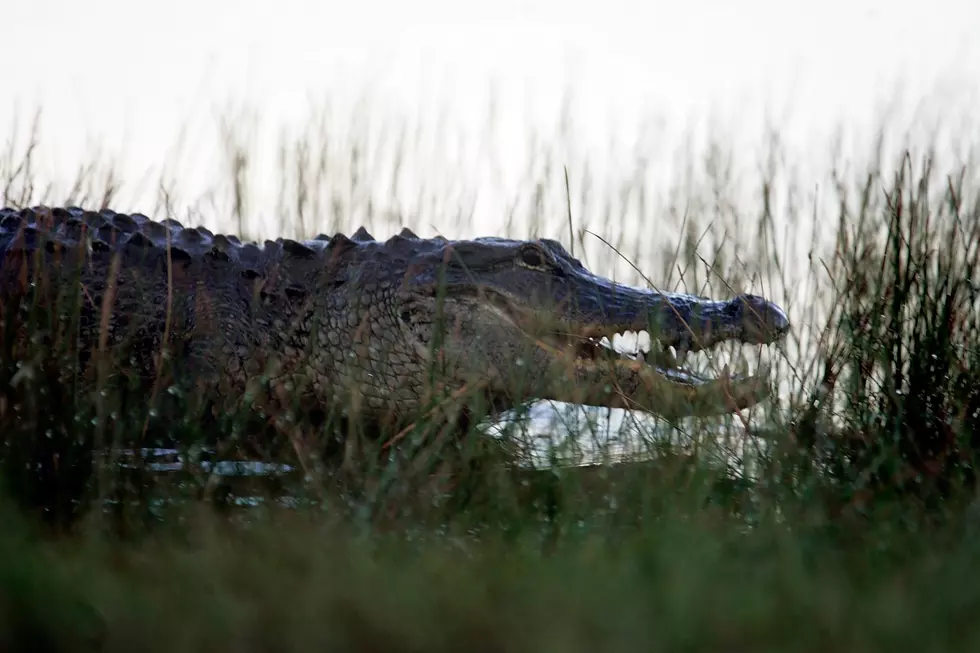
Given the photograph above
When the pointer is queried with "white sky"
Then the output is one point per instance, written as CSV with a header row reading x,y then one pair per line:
x,y
128,75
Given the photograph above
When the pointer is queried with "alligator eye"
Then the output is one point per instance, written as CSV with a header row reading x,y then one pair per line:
x,y
531,257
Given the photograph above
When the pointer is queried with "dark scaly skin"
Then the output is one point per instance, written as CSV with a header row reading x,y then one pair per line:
x,y
347,324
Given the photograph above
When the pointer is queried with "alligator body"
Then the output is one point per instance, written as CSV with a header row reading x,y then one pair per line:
x,y
373,329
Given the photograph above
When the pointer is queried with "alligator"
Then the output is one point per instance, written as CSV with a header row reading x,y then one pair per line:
x,y
377,330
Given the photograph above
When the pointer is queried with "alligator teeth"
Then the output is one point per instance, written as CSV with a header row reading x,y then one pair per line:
x,y
638,345
643,341
671,360
680,354
631,343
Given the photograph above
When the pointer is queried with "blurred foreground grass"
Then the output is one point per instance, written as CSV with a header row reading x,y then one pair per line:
x,y
839,515
686,581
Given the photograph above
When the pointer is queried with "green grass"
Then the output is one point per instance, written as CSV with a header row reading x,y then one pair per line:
x,y
845,521
688,581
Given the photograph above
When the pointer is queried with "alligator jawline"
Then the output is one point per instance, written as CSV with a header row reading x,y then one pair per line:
x,y
590,351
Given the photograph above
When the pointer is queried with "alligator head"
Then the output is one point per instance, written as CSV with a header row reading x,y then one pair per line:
x,y
526,313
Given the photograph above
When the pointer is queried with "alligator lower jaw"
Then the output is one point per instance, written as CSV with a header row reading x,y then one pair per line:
x,y
653,382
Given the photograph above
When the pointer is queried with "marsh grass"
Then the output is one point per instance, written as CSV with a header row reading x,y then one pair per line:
x,y
839,514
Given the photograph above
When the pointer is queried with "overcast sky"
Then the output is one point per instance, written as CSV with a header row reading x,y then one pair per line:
x,y
129,74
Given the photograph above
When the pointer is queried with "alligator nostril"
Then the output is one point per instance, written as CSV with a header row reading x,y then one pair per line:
x,y
777,319
782,323
762,321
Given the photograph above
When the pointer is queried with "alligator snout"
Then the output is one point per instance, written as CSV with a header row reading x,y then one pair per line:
x,y
704,323
762,321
